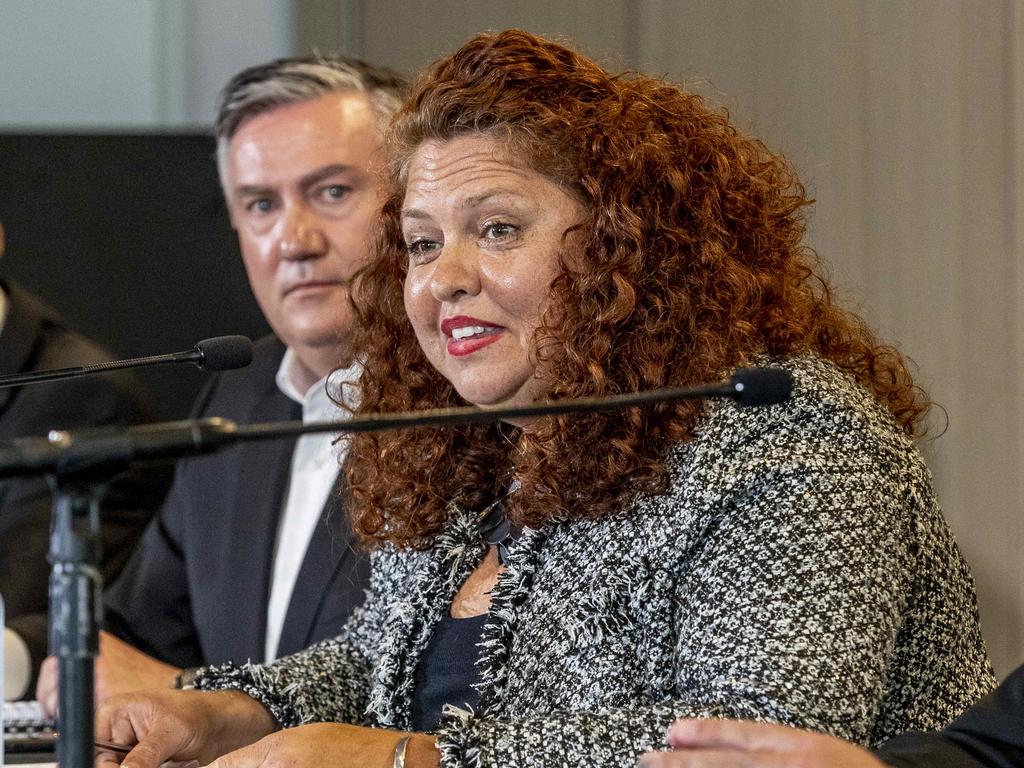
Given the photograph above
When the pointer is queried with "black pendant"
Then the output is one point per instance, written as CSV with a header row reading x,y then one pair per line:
x,y
495,528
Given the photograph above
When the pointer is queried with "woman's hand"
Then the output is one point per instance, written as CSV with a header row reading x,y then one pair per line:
x,y
179,726
332,744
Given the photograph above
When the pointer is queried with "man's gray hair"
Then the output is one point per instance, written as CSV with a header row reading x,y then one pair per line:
x,y
302,78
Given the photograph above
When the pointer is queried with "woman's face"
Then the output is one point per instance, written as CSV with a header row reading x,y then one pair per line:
x,y
483,239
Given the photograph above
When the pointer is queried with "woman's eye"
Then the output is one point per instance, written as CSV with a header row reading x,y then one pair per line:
x,y
420,250
499,231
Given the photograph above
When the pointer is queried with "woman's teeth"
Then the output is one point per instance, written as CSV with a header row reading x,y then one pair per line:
x,y
469,330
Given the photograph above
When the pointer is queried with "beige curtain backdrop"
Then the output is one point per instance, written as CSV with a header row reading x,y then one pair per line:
x,y
906,122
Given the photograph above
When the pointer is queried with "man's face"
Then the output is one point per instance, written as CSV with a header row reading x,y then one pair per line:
x,y
302,196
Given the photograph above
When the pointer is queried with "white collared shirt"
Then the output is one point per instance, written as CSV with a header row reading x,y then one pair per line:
x,y
314,470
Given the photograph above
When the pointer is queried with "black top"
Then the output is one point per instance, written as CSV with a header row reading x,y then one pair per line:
x,y
447,671
989,734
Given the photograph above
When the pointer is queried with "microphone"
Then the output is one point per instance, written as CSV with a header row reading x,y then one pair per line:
x,y
221,353
761,386
103,448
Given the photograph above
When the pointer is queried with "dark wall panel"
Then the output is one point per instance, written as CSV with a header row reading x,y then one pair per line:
x,y
127,236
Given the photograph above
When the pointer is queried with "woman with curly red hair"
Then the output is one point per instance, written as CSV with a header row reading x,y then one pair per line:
x,y
558,591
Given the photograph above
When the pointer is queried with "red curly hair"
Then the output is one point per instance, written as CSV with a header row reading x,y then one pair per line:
x,y
690,260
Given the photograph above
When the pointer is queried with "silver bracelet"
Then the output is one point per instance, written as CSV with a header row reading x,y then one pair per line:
x,y
400,752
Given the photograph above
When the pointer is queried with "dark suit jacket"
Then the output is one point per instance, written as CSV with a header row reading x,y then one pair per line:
x,y
34,338
196,590
988,735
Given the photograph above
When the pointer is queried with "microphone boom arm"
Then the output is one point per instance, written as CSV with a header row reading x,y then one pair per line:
x,y
19,379
100,451
217,354
473,415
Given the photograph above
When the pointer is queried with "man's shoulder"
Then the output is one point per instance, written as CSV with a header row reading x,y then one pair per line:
x,y
43,337
36,338
266,354
235,393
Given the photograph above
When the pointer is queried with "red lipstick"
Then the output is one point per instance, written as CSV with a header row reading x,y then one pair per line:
x,y
468,334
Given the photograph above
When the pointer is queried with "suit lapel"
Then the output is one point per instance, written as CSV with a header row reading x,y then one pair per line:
x,y
263,479
330,548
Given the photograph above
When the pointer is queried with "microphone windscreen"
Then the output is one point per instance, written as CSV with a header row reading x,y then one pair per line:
x,y
224,353
762,386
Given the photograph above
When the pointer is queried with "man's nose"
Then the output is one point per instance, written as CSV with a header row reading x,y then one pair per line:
x,y
301,235
456,272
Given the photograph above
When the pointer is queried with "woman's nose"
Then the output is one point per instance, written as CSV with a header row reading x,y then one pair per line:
x,y
456,272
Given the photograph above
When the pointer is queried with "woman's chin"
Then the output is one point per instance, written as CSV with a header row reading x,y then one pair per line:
x,y
491,403
495,402
500,389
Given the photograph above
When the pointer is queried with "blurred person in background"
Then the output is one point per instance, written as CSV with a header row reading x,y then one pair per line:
x,y
35,338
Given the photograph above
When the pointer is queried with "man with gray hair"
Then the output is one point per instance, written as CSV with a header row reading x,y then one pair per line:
x,y
252,556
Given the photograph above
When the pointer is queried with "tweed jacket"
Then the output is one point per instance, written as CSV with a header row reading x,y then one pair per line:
x,y
798,570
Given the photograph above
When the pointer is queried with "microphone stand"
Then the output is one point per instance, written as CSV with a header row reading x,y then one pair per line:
x,y
75,589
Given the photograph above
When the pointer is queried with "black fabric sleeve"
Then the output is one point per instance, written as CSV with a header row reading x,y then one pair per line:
x,y
988,735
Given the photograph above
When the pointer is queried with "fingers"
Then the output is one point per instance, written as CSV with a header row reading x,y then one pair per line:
x,y
738,735
106,759
104,726
121,731
158,746
130,721
715,759
739,744
47,686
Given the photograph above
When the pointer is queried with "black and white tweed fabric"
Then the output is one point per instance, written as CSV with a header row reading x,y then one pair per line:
x,y
799,571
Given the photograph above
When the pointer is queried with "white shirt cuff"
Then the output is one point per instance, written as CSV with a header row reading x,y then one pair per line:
x,y
17,666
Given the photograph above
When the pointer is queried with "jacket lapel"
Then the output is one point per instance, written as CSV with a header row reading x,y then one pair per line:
x,y
457,550
264,468
331,549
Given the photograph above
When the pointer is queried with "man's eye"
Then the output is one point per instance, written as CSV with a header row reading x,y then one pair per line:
x,y
335,192
260,205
